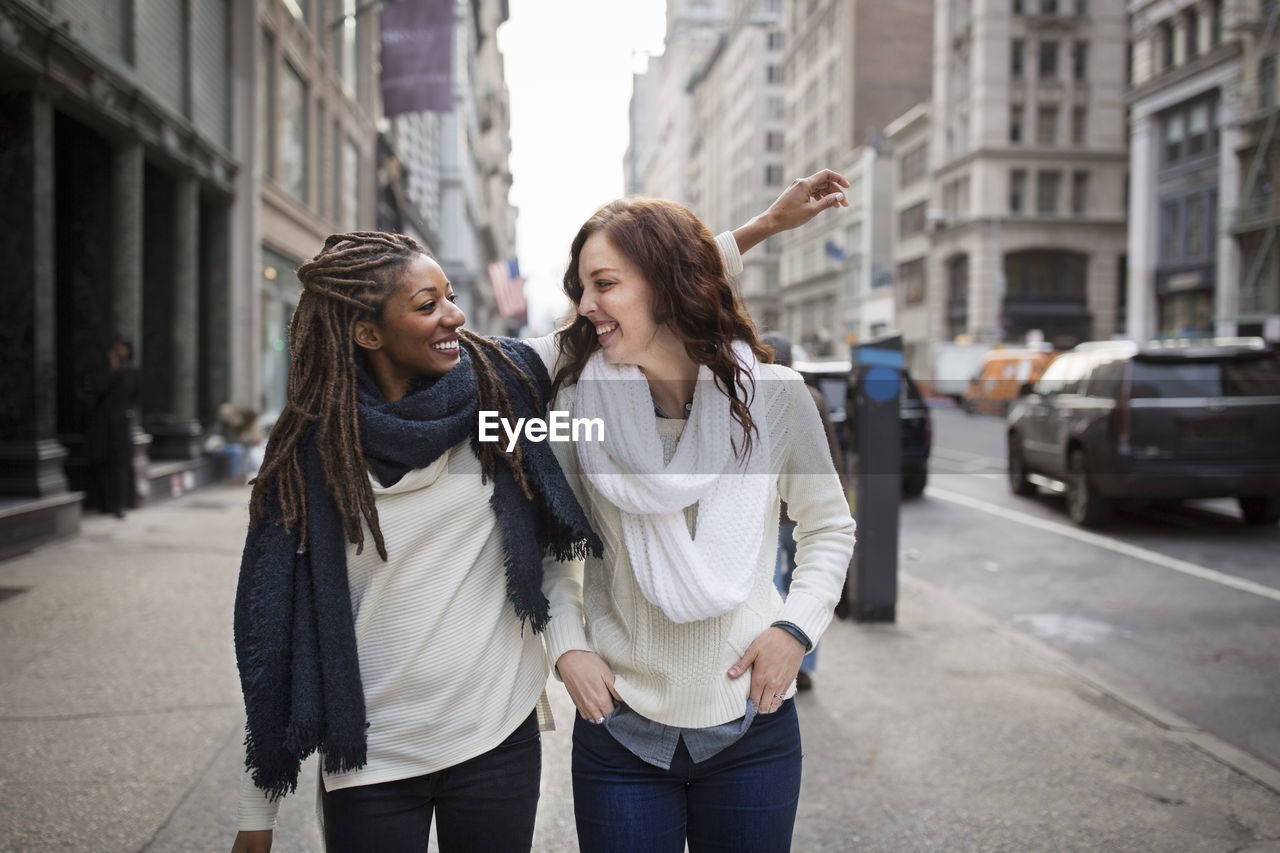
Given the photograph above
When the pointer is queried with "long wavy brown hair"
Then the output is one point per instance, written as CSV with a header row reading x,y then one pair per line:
x,y
691,295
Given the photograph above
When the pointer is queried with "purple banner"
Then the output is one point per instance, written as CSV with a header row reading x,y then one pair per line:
x,y
417,56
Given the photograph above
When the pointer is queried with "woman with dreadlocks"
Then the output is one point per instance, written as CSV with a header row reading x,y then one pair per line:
x,y
414,667
390,601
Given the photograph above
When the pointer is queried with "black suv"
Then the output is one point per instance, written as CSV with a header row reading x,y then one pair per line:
x,y
1171,420
832,378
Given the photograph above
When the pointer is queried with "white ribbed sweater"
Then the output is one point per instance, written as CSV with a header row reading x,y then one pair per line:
x,y
677,673
447,672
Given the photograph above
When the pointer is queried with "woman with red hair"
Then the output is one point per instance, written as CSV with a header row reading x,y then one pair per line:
x,y
675,646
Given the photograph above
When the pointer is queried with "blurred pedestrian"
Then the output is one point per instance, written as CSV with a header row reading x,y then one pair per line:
x,y
785,564
242,442
112,395
673,744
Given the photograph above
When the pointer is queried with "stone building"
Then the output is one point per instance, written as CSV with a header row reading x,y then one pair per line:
x,y
851,68
1029,161
125,162
1184,174
908,139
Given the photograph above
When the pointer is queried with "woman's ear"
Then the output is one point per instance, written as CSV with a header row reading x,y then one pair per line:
x,y
366,335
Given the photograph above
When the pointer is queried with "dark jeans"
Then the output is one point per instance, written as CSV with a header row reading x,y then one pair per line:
x,y
742,799
487,803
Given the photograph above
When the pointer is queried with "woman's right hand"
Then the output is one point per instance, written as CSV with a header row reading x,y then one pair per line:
x,y
590,683
252,841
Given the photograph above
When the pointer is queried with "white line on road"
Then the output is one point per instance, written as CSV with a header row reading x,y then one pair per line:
x,y
1138,553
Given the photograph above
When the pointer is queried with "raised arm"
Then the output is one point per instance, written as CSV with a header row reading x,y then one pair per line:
x,y
800,202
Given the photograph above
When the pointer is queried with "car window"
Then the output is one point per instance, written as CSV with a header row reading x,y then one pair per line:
x,y
833,389
1105,379
1226,378
1057,377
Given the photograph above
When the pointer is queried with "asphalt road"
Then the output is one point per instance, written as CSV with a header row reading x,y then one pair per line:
x,y
1178,604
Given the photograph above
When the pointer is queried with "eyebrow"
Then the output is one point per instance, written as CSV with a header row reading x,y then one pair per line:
x,y
597,272
430,287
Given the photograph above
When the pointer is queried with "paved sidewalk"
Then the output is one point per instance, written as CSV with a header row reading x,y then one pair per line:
x,y
120,721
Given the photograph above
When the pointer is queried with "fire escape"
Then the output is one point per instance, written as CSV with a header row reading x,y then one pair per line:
x,y
1257,218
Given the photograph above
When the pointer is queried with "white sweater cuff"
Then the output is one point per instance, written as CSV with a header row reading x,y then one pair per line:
x,y
732,257
254,810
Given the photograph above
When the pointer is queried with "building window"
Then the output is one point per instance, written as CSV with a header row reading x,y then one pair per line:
x,y
1166,45
773,140
775,108
267,106
1015,124
1215,24
911,168
350,47
1197,222
1080,193
1082,8
911,277
1080,60
1016,50
1047,186
1173,138
773,74
1170,231
773,175
1198,129
293,133
911,220
1017,191
1017,7
350,215
1048,7
775,40
1048,60
957,296
1267,82
1047,126
1191,27
1078,115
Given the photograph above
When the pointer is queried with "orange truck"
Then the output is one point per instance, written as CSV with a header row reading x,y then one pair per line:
x,y
1002,372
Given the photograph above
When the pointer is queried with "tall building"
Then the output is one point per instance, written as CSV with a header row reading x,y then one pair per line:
x,y
128,176
736,140
1257,148
851,67
1184,174
453,172
1029,161
317,108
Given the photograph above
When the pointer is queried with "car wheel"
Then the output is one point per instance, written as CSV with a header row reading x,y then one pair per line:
x,y
1260,509
913,483
1085,506
1018,482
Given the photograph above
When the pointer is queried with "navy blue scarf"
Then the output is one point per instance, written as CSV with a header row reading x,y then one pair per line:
x,y
294,629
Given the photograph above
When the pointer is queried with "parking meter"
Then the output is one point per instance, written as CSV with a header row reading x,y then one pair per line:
x,y
872,589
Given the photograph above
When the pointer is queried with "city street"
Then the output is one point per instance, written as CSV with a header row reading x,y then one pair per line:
x,y
1180,604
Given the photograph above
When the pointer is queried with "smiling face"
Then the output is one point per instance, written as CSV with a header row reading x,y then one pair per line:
x,y
618,301
417,334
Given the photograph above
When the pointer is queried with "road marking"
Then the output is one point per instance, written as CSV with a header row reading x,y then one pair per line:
x,y
1138,553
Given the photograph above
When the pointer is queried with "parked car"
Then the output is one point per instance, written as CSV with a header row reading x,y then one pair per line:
x,y
1003,371
832,378
1166,421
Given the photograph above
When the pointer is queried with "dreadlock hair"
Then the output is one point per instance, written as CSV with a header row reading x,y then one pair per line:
x,y
350,280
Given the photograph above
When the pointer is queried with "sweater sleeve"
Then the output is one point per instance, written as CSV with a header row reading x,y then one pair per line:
x,y
817,504
254,809
731,256
562,580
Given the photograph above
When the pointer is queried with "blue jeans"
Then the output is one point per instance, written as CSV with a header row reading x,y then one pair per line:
x,y
783,566
487,803
743,799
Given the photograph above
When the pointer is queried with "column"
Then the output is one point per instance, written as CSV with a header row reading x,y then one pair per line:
x,y
31,456
1227,274
126,242
1143,228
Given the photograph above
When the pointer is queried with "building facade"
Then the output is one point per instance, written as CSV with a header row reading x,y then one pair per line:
x,y
851,67
1184,123
908,141
736,140
129,184
1029,160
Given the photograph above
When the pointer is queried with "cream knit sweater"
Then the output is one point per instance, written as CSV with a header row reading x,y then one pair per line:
x,y
677,673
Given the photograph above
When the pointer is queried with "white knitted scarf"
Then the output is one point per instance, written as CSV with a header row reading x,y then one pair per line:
x,y
689,578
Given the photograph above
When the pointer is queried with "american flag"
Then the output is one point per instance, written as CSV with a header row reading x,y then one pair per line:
x,y
508,288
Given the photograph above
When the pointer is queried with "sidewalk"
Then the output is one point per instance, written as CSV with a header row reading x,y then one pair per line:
x,y
120,721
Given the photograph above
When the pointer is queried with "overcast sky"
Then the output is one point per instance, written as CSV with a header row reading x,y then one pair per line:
x,y
569,65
